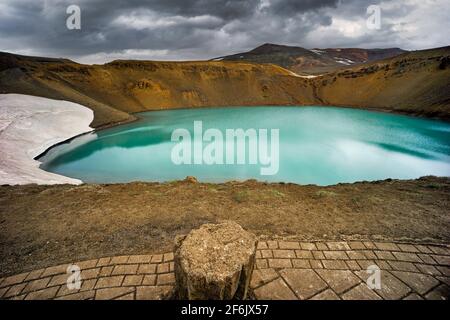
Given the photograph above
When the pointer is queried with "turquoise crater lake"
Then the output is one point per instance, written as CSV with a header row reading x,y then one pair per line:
x,y
317,145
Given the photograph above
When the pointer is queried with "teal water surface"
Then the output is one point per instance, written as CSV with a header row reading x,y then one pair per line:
x,y
318,145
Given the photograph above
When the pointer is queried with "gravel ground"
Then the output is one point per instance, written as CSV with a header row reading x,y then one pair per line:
x,y
46,225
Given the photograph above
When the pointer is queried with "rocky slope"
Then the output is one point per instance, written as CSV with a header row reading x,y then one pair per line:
x,y
415,83
118,88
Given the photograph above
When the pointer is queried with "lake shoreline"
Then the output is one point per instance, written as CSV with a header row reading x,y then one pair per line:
x,y
136,117
374,109
327,139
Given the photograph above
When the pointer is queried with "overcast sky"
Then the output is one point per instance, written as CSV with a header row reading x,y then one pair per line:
x,y
204,29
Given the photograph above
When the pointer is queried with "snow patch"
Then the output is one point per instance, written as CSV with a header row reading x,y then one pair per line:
x,y
310,76
29,125
344,61
317,51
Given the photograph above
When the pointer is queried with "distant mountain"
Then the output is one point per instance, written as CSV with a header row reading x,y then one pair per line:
x,y
314,61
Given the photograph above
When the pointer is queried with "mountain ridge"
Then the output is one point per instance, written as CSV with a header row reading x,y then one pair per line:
x,y
311,61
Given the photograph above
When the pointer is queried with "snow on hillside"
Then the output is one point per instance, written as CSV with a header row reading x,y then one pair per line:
x,y
345,61
28,126
317,51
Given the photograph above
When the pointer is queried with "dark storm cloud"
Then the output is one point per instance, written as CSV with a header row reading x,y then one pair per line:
x,y
228,9
288,7
199,29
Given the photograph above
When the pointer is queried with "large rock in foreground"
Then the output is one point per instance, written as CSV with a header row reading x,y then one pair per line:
x,y
214,262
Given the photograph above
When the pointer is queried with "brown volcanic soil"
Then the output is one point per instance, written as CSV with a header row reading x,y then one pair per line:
x,y
118,88
46,225
416,83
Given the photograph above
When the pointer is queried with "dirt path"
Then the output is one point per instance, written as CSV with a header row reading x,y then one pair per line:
x,y
46,225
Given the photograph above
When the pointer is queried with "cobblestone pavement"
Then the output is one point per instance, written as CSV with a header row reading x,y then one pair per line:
x,y
284,270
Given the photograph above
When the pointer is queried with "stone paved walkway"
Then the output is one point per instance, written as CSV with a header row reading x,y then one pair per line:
x,y
284,270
